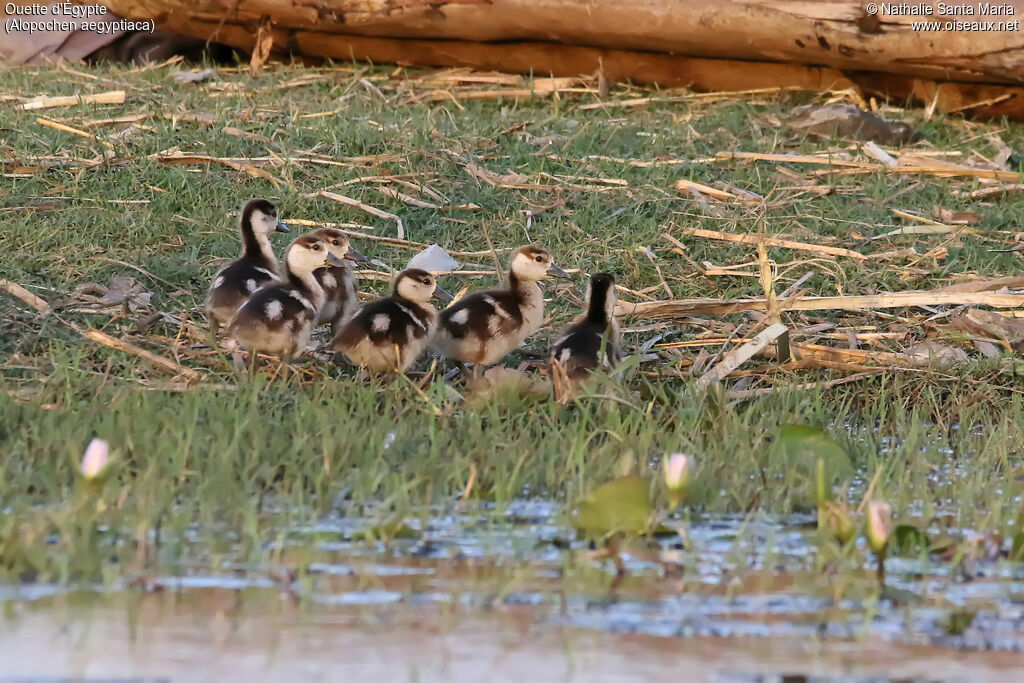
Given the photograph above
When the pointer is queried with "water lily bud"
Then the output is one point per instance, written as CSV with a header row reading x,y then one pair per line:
x,y
96,459
839,523
677,472
879,525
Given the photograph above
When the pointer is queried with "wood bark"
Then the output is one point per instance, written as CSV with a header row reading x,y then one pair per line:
x,y
836,33
706,44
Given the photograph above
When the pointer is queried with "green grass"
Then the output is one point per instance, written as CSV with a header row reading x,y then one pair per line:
x,y
224,458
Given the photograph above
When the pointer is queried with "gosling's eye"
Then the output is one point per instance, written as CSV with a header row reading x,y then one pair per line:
x,y
336,242
316,247
426,282
539,259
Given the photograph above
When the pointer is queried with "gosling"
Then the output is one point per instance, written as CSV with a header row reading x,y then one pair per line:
x,y
482,328
279,317
390,334
591,342
338,282
235,282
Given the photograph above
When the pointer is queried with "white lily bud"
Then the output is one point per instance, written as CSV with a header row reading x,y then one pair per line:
x,y
96,459
677,472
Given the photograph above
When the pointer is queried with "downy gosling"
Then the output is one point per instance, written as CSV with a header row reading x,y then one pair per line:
x,y
279,317
591,342
390,334
338,282
483,327
234,283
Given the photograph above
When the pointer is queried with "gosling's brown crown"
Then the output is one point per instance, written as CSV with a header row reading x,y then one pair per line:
x,y
261,205
421,276
533,262
310,241
535,251
333,236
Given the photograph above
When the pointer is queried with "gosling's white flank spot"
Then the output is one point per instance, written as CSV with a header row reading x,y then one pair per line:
x,y
566,355
381,322
274,309
250,285
266,272
329,281
460,316
218,282
302,300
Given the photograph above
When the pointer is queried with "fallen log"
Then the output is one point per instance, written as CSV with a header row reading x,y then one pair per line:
x,y
681,308
721,45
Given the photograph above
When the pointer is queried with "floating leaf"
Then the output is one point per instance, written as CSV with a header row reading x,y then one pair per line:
x,y
810,443
264,43
505,383
958,622
622,504
951,217
900,596
665,531
801,448
390,530
907,539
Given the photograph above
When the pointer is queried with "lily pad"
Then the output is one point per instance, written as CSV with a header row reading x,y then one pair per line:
x,y
620,505
958,622
900,596
907,539
801,448
390,530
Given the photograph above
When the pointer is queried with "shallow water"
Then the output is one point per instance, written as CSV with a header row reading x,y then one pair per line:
x,y
207,634
479,595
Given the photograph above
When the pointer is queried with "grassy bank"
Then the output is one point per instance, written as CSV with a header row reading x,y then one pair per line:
x,y
220,452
